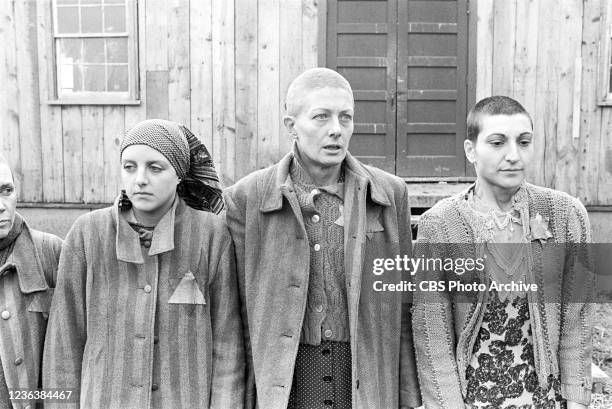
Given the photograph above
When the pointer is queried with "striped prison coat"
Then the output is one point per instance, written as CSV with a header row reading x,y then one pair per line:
x,y
137,326
273,254
27,279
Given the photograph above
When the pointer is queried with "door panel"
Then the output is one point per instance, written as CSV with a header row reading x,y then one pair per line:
x,y
407,63
431,97
362,46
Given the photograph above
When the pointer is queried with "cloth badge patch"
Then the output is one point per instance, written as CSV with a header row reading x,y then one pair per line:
x,y
374,225
187,292
340,220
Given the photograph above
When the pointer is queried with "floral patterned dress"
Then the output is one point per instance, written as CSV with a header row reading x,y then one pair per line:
x,y
501,372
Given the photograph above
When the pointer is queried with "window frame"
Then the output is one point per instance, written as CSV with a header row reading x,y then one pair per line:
x,y
131,97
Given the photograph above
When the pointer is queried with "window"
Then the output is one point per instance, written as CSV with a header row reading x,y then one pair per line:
x,y
95,51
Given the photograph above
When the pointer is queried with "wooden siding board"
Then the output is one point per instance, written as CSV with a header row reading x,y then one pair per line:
x,y
604,188
73,154
290,55
566,166
268,83
50,116
157,94
156,22
200,66
137,113
313,12
526,53
605,160
484,53
10,106
246,87
590,112
179,87
545,116
92,118
29,115
503,46
113,129
224,107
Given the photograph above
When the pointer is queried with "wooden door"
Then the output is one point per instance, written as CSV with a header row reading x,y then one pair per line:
x,y
407,63
431,88
362,46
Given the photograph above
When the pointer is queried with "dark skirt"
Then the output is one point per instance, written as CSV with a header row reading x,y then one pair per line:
x,y
322,377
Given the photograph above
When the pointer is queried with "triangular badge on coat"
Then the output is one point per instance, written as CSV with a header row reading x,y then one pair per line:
x,y
187,292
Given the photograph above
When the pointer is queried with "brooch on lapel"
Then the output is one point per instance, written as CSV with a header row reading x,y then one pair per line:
x,y
538,228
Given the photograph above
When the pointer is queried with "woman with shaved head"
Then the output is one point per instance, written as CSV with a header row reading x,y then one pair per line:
x,y
306,232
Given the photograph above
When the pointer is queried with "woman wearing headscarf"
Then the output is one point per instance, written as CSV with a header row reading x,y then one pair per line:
x,y
146,312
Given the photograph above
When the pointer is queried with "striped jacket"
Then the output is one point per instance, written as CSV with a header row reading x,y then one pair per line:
x,y
26,287
137,327
273,254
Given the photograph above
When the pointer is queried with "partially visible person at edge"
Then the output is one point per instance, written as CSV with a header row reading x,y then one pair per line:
x,y
28,267
306,231
504,349
146,311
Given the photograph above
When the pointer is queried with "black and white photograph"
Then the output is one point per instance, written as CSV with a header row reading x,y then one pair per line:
x,y
306,204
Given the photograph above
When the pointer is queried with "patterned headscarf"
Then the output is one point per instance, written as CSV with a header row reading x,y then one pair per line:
x,y
199,186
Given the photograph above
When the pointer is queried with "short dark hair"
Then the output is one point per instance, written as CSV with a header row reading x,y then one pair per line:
x,y
495,105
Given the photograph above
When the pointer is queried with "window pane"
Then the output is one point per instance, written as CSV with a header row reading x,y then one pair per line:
x,y
114,1
93,49
70,78
94,77
610,87
116,50
117,78
91,1
70,2
67,20
91,19
114,19
69,50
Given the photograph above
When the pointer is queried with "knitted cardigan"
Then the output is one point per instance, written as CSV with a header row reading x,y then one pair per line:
x,y
445,331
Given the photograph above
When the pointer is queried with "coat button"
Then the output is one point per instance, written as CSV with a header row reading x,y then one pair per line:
x,y
18,361
155,339
327,379
319,308
328,402
5,315
154,387
328,333
147,288
325,352
315,218
146,243
317,247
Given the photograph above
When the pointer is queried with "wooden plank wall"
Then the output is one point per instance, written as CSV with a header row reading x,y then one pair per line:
x,y
221,67
545,53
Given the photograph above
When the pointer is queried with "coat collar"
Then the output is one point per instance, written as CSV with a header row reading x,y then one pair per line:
x,y
127,241
25,260
278,183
